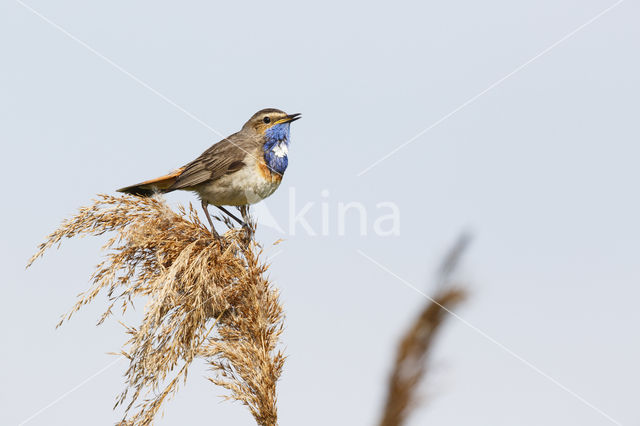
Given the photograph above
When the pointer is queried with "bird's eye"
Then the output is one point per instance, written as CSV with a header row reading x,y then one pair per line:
x,y
266,120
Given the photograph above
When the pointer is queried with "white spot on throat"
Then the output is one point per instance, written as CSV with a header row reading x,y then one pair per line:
x,y
280,150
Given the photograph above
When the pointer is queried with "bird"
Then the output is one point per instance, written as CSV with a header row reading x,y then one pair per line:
x,y
243,168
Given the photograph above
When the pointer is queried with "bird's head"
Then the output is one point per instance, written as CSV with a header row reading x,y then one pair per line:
x,y
272,126
271,122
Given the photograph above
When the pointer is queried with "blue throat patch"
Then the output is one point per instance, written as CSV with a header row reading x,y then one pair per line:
x,y
276,147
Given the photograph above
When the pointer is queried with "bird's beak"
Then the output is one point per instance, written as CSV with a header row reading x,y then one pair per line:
x,y
289,118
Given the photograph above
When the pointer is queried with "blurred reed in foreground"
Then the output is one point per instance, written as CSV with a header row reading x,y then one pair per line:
x,y
412,354
203,299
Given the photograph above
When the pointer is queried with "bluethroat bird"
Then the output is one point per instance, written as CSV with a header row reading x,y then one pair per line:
x,y
241,169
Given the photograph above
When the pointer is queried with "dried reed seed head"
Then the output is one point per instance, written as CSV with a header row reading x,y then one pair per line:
x,y
202,300
410,366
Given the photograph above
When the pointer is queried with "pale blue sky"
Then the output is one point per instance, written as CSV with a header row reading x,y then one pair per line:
x,y
543,168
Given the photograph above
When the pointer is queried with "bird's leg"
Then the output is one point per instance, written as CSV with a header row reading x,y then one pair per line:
x,y
231,215
206,212
245,223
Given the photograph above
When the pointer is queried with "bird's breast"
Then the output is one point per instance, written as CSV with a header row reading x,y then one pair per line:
x,y
251,184
268,173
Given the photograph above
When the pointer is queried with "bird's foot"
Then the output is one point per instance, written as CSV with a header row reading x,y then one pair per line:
x,y
248,232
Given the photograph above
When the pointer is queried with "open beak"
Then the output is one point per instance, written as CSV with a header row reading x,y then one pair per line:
x,y
289,118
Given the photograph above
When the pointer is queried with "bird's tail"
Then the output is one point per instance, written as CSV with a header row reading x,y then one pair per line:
x,y
150,187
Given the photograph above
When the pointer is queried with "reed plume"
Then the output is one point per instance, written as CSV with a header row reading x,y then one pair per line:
x,y
410,366
205,299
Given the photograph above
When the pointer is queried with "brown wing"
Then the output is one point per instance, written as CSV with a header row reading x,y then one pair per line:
x,y
227,156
